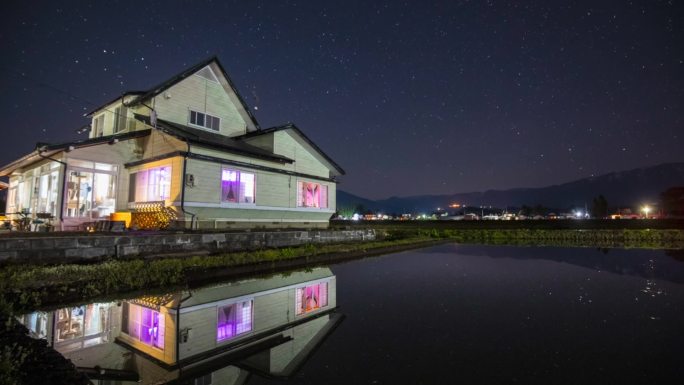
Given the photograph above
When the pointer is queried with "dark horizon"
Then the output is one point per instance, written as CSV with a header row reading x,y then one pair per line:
x,y
409,99
675,184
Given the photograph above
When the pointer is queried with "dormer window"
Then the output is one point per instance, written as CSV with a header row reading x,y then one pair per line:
x,y
204,120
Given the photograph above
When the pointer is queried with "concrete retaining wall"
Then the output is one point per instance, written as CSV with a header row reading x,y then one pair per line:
x,y
79,248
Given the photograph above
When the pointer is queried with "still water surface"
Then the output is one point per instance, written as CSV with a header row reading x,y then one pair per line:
x,y
446,314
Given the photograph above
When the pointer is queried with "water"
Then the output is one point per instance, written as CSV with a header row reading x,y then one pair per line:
x,y
447,314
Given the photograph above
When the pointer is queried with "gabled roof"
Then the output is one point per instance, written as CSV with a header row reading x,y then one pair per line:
x,y
161,87
211,140
293,128
44,149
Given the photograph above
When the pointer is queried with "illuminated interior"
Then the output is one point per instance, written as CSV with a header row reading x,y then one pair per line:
x,y
145,325
237,186
234,320
312,297
311,194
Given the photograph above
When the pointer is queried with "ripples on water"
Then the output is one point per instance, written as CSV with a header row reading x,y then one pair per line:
x,y
447,314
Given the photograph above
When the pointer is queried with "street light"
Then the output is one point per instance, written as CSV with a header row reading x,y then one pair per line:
x,y
646,210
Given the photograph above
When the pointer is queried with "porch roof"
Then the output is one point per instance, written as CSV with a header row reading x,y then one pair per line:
x,y
45,149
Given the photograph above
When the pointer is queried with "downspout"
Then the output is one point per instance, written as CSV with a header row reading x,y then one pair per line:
x,y
182,206
63,193
178,329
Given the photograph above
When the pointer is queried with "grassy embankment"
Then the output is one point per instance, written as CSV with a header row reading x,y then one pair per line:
x,y
25,287
29,287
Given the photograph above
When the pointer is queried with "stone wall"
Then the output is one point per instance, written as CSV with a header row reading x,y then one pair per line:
x,y
93,247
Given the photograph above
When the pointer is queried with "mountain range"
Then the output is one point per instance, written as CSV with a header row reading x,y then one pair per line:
x,y
621,189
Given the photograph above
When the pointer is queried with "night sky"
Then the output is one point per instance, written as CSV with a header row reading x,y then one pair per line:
x,y
408,97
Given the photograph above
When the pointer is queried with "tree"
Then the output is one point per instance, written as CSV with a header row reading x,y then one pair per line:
x,y
599,207
673,201
345,212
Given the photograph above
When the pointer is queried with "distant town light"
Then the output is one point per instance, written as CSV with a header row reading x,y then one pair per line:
x,y
646,209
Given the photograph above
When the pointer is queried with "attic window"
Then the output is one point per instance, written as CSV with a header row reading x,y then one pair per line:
x,y
98,126
204,120
207,73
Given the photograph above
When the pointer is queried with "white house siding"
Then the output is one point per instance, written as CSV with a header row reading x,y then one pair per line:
x,y
202,95
270,310
305,162
275,203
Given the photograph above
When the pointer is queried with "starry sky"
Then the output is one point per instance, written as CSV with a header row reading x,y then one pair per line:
x,y
409,97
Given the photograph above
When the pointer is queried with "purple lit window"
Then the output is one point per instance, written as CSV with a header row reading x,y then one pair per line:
x,y
146,325
234,320
310,298
237,186
312,195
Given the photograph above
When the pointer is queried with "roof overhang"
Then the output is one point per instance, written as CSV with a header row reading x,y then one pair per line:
x,y
292,128
44,150
213,141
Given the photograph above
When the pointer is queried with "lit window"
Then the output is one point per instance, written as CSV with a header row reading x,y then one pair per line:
x,y
237,186
143,324
312,195
150,185
82,326
311,297
204,120
234,320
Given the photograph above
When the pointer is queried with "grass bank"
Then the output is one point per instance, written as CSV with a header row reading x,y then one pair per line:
x,y
29,287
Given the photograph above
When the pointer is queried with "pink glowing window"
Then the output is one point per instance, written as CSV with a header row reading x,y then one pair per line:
x,y
310,298
145,325
237,186
234,320
312,195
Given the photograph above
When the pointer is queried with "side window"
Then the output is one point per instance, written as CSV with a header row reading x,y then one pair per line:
x,y
311,194
237,186
98,126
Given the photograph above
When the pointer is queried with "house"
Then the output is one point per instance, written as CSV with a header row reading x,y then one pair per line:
x,y
189,145
268,326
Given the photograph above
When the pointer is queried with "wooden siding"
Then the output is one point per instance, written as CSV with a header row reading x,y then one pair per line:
x,y
158,143
272,189
176,164
202,95
207,186
108,112
305,161
168,355
262,141
269,311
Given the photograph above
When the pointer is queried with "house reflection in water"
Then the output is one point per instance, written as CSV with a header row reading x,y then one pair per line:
x,y
219,334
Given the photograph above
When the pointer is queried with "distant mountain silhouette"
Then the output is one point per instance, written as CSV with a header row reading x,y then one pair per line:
x,y
623,188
